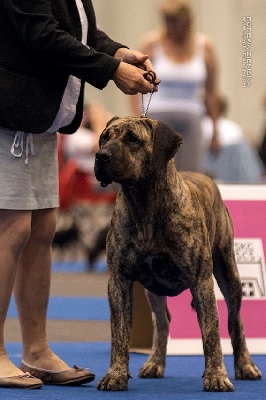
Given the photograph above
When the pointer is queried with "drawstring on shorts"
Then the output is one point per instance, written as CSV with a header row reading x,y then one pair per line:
x,y
19,142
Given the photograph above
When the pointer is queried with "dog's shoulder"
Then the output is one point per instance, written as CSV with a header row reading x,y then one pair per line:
x,y
202,184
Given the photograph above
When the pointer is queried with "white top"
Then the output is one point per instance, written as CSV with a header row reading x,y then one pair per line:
x,y
182,84
67,110
80,147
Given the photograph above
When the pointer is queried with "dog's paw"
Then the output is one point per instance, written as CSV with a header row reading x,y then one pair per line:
x,y
113,383
151,370
213,383
248,372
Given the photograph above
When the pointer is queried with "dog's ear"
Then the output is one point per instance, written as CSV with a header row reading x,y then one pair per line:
x,y
107,125
111,120
166,142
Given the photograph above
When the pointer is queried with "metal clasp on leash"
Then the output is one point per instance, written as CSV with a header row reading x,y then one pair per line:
x,y
150,76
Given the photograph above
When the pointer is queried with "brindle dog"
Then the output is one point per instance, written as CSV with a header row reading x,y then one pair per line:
x,y
171,232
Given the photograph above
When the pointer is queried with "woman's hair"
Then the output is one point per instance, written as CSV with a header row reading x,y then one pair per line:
x,y
173,8
176,8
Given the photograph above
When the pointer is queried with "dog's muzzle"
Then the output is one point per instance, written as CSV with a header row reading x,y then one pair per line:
x,y
102,159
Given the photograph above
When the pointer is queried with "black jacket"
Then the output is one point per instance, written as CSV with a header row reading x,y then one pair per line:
x,y
39,48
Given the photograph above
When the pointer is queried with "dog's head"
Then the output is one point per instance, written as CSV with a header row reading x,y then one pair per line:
x,y
133,148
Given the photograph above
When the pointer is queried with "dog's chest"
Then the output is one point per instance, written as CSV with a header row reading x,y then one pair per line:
x,y
159,274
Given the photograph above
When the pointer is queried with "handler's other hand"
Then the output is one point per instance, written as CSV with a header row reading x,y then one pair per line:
x,y
134,57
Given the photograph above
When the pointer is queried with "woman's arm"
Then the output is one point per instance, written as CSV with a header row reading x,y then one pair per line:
x,y
50,40
211,91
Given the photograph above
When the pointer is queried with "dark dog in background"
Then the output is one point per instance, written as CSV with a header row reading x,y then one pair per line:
x,y
67,236
72,235
171,232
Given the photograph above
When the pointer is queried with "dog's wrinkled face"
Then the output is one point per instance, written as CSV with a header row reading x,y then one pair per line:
x,y
132,148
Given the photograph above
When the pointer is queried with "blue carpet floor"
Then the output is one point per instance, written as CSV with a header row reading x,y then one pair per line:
x,y
78,266
182,378
72,308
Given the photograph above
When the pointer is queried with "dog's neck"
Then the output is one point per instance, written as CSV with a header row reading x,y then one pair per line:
x,y
147,191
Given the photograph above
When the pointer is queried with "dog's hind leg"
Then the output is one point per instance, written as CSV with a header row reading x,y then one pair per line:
x,y
228,279
155,365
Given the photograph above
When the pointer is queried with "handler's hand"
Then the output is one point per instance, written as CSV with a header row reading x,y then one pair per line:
x,y
141,61
130,79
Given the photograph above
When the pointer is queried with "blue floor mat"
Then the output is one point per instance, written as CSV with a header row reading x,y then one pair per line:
x,y
72,308
182,378
78,266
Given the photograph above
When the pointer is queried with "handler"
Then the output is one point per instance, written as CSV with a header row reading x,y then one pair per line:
x,y
48,50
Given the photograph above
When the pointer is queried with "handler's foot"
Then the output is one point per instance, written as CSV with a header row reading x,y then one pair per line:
x,y
7,368
46,359
15,378
48,367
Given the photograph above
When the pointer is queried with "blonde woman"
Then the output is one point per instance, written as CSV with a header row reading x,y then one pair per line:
x,y
187,66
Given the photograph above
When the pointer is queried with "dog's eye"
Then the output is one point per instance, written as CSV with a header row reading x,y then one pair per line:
x,y
132,137
104,137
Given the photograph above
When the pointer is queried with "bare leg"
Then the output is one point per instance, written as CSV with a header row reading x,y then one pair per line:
x,y
32,289
14,234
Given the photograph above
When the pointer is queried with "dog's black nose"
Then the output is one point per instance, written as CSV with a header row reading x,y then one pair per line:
x,y
103,155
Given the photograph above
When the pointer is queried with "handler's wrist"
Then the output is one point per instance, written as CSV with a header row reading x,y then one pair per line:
x,y
120,53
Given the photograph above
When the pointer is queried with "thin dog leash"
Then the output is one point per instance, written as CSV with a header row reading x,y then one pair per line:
x,y
151,77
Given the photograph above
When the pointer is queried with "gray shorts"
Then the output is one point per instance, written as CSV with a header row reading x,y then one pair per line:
x,y
28,170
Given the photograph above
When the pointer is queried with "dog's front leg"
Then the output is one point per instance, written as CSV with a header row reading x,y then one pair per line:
x,y
120,295
204,301
155,365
